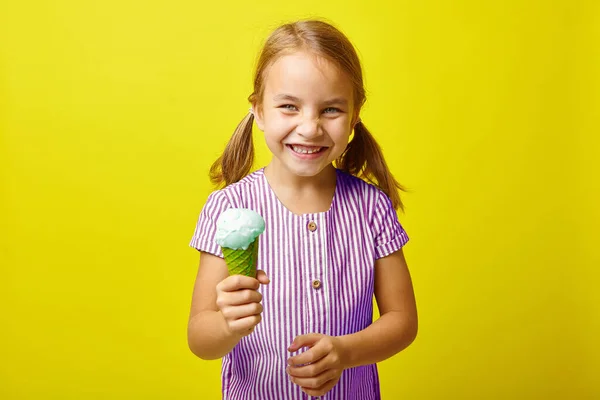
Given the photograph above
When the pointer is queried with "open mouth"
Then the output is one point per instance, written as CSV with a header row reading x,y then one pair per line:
x,y
306,149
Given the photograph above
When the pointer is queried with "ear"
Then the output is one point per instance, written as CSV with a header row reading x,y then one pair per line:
x,y
258,116
355,119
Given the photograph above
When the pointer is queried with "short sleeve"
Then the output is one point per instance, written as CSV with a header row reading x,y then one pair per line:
x,y
389,234
206,227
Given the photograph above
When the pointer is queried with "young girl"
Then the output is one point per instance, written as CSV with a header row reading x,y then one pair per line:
x,y
304,326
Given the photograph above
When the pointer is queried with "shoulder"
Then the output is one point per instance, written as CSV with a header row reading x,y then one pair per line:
x,y
236,194
216,203
355,189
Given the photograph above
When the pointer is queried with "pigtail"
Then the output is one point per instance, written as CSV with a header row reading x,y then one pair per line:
x,y
363,158
238,157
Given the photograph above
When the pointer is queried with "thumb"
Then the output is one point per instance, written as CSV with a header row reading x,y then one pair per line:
x,y
307,340
262,277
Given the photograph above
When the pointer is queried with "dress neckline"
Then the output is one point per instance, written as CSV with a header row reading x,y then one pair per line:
x,y
304,215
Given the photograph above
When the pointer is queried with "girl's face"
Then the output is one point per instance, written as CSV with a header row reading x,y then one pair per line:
x,y
306,113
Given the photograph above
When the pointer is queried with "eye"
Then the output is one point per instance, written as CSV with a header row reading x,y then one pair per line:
x,y
288,107
331,110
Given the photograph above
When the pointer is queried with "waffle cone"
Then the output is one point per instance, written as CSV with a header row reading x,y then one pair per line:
x,y
242,262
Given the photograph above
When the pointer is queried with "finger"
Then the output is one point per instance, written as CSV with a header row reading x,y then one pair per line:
x,y
237,282
311,370
316,382
240,297
243,311
262,277
242,325
321,390
314,354
244,296
307,340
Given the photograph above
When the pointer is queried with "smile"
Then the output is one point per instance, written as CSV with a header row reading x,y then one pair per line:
x,y
306,149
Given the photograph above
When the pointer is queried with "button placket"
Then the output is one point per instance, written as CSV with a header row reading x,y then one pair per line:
x,y
315,284
312,228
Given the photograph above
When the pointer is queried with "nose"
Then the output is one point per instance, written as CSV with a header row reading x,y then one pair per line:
x,y
309,127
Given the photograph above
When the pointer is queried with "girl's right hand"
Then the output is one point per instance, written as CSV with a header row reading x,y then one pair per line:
x,y
239,302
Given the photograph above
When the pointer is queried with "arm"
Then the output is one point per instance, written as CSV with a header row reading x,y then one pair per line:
x,y
224,308
208,336
398,323
319,369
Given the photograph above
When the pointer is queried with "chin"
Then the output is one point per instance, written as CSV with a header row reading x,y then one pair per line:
x,y
305,171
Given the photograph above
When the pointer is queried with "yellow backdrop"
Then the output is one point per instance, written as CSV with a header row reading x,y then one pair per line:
x,y
112,112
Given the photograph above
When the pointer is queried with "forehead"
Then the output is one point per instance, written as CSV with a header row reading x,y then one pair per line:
x,y
308,77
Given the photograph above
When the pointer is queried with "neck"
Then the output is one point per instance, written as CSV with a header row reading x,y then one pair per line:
x,y
302,194
282,177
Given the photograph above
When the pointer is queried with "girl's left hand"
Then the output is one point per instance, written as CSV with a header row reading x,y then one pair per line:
x,y
318,369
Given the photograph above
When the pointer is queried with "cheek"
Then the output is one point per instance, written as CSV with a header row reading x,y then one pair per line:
x,y
278,125
340,131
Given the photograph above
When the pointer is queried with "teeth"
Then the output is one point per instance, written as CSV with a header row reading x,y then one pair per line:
x,y
304,150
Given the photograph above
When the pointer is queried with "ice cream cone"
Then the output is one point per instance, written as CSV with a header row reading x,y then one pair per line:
x,y
242,262
238,230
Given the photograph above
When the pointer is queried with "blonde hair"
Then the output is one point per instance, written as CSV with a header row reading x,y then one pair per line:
x,y
363,156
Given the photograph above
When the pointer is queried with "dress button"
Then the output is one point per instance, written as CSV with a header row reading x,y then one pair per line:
x,y
316,284
312,226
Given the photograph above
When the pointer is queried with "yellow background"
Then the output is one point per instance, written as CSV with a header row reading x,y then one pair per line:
x,y
112,112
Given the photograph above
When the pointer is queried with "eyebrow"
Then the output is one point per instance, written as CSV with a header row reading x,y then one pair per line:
x,y
285,97
289,97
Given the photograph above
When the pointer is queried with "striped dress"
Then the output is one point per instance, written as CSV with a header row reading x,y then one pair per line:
x,y
321,270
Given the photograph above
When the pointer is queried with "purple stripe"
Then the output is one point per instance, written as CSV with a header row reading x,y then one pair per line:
x,y
360,227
